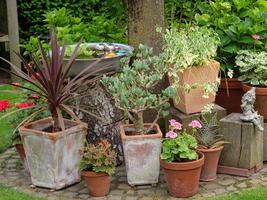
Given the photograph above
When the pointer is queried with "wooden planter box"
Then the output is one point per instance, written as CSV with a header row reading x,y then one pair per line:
x,y
244,155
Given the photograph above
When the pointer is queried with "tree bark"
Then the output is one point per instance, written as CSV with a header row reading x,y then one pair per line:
x,y
99,102
144,17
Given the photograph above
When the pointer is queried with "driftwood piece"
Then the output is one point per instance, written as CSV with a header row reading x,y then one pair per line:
x,y
246,143
185,119
98,101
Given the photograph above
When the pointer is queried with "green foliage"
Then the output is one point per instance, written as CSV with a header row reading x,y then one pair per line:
x,y
99,158
132,89
104,20
253,67
189,47
83,52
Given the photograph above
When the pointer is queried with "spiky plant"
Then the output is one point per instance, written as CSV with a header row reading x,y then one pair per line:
x,y
208,136
49,78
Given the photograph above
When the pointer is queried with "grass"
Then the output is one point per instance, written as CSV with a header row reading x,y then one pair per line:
x,y
5,127
12,194
259,193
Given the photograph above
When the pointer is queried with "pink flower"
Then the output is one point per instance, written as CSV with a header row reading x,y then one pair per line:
x,y
256,37
171,134
175,124
195,124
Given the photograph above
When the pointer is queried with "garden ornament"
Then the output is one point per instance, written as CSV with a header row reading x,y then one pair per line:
x,y
247,106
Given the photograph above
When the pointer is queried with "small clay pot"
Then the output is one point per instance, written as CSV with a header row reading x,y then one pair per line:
x,y
183,177
209,169
98,184
261,99
229,95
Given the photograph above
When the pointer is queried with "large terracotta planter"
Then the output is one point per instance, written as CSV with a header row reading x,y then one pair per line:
x,y
22,156
141,155
53,158
209,169
183,177
193,102
229,95
98,184
261,99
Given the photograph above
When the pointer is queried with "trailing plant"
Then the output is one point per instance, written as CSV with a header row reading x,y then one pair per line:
x,y
253,67
132,89
208,136
84,51
179,144
99,158
48,76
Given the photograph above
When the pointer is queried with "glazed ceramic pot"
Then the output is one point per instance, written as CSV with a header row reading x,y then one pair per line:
x,y
209,169
183,177
261,99
141,155
193,101
229,95
98,184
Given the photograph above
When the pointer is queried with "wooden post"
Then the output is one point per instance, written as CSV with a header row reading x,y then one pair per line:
x,y
244,155
144,17
13,33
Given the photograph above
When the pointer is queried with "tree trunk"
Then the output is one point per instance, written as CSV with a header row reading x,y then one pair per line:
x,y
139,123
98,101
144,17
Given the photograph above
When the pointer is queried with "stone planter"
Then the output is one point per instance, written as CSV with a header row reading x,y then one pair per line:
x,y
53,158
141,155
22,156
193,102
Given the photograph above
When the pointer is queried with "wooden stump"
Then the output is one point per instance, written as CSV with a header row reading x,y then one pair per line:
x,y
98,101
185,119
244,155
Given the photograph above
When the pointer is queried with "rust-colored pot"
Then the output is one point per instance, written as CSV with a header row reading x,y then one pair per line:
x,y
261,99
209,169
98,184
229,95
21,152
183,177
193,101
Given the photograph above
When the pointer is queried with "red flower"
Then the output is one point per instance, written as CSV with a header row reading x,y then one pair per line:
x,y
256,37
4,104
25,105
104,143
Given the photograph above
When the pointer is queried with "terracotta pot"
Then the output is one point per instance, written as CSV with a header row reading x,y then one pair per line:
x,y
98,184
183,178
141,153
209,169
193,102
229,95
53,158
22,156
261,99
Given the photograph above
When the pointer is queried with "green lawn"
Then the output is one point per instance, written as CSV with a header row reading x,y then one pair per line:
x,y
11,194
5,127
252,194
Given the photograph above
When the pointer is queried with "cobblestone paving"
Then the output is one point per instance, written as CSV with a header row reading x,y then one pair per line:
x,y
12,174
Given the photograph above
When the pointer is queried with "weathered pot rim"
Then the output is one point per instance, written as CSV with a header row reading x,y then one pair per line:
x,y
127,137
210,150
183,165
24,130
259,90
93,174
230,83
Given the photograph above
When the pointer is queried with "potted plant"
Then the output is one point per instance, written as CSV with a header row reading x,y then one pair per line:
x,y
189,53
180,161
132,91
253,70
97,165
211,144
52,144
